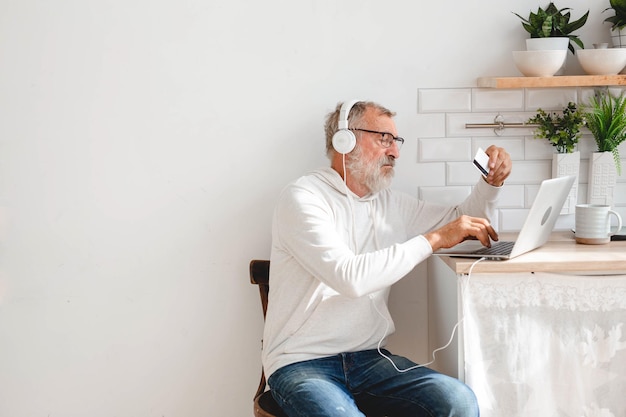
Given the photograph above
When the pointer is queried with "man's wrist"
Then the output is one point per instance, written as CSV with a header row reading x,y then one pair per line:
x,y
493,185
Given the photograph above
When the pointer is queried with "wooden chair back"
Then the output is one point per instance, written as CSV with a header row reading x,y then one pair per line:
x,y
264,403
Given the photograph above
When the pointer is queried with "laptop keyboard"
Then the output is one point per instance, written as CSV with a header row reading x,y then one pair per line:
x,y
497,248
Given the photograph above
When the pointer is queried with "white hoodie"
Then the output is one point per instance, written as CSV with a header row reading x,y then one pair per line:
x,y
334,257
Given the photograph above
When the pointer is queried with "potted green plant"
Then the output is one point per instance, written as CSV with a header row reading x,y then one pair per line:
x,y
562,130
605,117
552,23
618,22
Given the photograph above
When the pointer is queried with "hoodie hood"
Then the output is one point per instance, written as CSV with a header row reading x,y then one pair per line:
x,y
334,180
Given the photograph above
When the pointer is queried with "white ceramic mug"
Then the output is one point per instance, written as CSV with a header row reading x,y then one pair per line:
x,y
593,223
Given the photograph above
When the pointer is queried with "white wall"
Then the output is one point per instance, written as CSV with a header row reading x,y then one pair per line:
x,y
142,145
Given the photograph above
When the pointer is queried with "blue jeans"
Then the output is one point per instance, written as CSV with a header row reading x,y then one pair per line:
x,y
354,384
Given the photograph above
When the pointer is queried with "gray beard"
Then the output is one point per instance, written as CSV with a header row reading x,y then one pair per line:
x,y
369,173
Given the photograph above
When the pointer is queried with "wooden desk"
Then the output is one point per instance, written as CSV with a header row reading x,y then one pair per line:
x,y
543,334
560,254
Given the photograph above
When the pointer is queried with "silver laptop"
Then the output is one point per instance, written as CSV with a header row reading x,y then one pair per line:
x,y
536,230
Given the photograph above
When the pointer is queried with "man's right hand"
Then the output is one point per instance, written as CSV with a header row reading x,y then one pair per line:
x,y
463,228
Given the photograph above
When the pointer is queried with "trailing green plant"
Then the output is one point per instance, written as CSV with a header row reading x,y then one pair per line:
x,y
618,20
553,22
605,117
562,130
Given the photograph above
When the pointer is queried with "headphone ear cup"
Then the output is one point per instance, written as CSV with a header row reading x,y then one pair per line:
x,y
344,141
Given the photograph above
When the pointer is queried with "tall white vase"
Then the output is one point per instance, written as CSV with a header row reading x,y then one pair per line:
x,y
563,165
618,38
602,178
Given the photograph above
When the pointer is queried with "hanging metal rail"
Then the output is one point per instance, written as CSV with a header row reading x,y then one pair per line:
x,y
499,125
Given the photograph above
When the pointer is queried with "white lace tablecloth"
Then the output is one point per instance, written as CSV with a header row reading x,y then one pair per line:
x,y
541,344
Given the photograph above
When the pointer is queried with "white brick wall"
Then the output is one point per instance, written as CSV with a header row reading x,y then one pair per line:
x,y
444,172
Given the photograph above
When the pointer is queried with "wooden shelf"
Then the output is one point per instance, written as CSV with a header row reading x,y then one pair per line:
x,y
556,81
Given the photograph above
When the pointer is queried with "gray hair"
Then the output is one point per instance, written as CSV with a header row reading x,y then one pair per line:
x,y
354,120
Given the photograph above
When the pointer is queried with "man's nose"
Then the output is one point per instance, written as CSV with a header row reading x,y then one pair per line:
x,y
393,150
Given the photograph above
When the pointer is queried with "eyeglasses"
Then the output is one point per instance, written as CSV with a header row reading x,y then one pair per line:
x,y
386,139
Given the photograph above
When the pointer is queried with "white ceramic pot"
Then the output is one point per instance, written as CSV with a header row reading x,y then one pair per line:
x,y
534,44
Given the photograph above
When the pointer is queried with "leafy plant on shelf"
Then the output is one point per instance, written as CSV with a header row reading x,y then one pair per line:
x,y
562,130
618,20
605,116
553,22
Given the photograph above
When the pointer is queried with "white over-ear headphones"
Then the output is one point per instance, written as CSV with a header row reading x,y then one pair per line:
x,y
344,140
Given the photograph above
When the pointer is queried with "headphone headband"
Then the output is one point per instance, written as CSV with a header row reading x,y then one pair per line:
x,y
345,112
